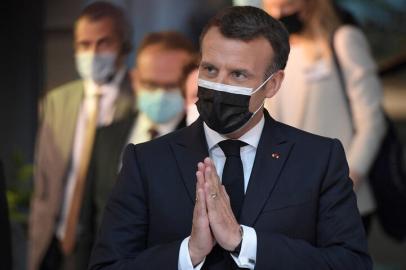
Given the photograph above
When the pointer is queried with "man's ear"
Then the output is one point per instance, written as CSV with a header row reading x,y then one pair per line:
x,y
274,84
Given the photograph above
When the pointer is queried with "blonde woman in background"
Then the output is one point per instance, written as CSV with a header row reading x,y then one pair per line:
x,y
312,97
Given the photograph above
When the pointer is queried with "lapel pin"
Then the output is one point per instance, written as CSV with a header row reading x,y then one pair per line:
x,y
275,155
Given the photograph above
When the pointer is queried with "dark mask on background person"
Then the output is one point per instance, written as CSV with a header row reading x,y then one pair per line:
x,y
293,23
225,108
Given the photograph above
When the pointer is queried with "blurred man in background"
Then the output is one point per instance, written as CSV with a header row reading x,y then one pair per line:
x,y
69,117
160,61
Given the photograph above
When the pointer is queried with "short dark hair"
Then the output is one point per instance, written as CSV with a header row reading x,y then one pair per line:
x,y
100,10
248,23
170,40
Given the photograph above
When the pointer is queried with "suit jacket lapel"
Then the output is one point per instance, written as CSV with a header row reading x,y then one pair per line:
x,y
70,113
118,132
189,149
125,100
272,152
182,123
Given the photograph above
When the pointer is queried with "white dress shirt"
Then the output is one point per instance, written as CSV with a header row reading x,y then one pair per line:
x,y
108,95
248,253
143,124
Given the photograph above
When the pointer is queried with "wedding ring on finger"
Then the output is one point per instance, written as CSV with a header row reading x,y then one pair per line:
x,y
213,195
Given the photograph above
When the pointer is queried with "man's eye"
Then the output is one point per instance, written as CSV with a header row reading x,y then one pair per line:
x,y
239,75
149,86
106,43
210,70
82,45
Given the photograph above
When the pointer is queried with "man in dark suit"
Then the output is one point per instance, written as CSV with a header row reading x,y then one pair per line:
x,y
284,199
160,61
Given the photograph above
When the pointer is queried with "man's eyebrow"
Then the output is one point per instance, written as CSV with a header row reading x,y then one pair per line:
x,y
239,70
243,71
82,41
104,38
151,82
146,81
206,64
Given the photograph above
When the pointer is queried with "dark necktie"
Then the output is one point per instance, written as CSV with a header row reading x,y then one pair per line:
x,y
153,133
233,173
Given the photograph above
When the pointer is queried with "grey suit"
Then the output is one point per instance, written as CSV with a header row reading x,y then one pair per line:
x,y
53,152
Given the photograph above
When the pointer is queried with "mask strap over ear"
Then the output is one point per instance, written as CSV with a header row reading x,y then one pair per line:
x,y
262,84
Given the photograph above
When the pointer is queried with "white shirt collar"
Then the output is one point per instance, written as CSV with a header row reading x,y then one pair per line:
x,y
251,137
163,128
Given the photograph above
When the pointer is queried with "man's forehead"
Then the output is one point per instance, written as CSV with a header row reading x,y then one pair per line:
x,y
156,56
162,65
218,49
86,26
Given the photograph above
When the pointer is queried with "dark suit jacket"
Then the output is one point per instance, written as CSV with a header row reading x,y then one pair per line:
x,y
301,204
109,144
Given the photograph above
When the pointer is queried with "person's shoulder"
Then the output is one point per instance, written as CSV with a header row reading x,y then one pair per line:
x,y
306,144
304,138
348,30
65,90
162,143
121,126
128,120
349,36
57,98
353,50
154,151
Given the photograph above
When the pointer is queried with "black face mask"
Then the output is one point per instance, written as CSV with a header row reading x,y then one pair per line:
x,y
221,111
225,108
293,23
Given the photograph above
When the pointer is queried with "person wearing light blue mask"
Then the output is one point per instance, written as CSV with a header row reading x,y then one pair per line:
x,y
159,108
160,62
